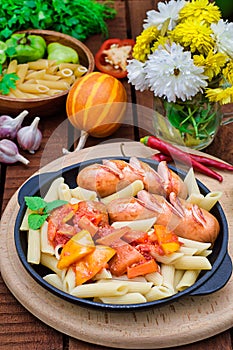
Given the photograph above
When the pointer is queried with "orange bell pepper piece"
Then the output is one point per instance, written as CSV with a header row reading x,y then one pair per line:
x,y
143,268
75,249
167,240
91,264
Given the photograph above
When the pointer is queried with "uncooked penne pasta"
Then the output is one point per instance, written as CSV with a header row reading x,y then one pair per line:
x,y
21,71
12,67
38,74
127,192
39,64
56,85
36,88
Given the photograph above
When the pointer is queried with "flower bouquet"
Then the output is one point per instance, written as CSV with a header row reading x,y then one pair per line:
x,y
185,56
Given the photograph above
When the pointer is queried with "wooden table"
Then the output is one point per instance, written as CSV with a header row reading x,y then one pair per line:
x,y
19,329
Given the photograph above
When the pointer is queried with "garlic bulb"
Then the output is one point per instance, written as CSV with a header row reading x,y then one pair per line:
x,y
9,126
9,153
29,137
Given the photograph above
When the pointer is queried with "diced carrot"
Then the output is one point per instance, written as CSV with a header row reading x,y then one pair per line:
x,y
141,269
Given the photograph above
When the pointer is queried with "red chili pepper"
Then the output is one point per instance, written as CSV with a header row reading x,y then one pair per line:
x,y
201,159
176,153
106,60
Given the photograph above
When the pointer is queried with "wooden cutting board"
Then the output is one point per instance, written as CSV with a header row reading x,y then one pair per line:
x,y
185,321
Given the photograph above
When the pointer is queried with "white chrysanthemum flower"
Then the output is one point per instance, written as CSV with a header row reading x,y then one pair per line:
x,y
223,35
166,10
172,73
137,75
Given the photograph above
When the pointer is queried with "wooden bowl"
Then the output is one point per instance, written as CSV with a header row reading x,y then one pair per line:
x,y
47,106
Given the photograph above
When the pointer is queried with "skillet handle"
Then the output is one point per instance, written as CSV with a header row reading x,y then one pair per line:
x,y
218,280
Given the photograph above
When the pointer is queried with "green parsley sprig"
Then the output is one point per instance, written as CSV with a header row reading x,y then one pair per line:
x,y
40,210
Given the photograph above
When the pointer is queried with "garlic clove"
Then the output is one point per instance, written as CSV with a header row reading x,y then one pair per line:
x,y
29,137
9,126
9,153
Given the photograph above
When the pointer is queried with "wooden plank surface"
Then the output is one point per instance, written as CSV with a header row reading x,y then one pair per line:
x,y
19,329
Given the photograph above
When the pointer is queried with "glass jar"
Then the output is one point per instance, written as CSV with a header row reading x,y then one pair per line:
x,y
193,123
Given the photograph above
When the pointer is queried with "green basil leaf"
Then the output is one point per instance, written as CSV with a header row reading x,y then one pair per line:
x,y
35,203
54,204
35,221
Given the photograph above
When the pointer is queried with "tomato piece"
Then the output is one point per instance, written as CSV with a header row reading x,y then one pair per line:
x,y
91,264
126,255
75,249
142,268
113,55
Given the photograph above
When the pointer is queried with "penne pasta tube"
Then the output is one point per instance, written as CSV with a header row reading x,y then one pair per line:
x,y
21,71
56,85
155,277
83,194
65,72
54,280
125,278
195,198
210,200
52,193
38,74
188,250
51,262
188,279
33,252
36,88
140,225
16,93
92,290
12,67
158,292
102,275
127,192
39,64
200,246
177,277
168,272
129,298
46,247
64,192
191,182
167,259
49,76
133,286
69,280
79,71
24,224
192,263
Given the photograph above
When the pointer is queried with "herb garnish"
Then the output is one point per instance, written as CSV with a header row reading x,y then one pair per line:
x,y
41,210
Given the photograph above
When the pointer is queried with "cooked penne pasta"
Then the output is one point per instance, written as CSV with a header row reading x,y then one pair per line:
x,y
103,274
200,246
192,263
24,224
64,192
191,182
54,280
83,194
52,193
51,262
69,280
46,247
133,286
158,292
168,272
188,279
92,290
140,225
129,298
34,249
155,277
127,192
210,200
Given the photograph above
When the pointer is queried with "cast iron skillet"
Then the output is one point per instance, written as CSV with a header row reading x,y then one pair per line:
x,y
208,282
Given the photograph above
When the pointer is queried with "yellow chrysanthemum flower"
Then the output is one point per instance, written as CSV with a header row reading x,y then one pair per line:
x,y
223,96
201,10
193,35
228,72
212,63
144,42
162,40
